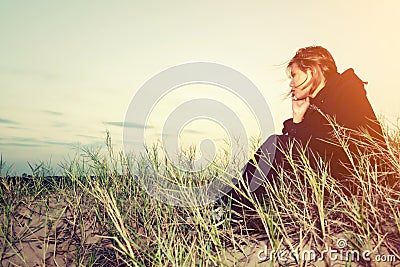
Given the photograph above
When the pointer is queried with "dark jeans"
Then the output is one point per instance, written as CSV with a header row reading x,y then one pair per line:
x,y
268,159
271,157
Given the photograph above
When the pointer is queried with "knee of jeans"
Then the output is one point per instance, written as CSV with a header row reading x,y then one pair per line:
x,y
269,147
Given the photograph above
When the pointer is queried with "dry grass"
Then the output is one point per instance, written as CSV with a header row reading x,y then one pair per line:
x,y
98,215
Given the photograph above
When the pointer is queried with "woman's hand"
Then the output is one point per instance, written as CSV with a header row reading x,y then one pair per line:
x,y
299,108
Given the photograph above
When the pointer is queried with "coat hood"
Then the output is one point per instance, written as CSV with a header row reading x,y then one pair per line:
x,y
337,82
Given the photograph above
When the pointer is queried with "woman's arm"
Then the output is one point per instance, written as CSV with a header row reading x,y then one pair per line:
x,y
306,122
315,126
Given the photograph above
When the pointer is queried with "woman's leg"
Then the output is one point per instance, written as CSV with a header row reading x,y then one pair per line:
x,y
268,158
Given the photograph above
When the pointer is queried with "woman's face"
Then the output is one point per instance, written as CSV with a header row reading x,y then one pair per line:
x,y
299,83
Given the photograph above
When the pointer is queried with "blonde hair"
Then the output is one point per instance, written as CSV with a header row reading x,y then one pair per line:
x,y
316,59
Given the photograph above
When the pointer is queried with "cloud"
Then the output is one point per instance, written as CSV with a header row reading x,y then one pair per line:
x,y
31,142
50,112
57,143
22,139
126,124
19,144
5,121
87,136
16,128
58,124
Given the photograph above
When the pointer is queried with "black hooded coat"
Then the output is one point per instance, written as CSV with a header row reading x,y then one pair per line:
x,y
344,101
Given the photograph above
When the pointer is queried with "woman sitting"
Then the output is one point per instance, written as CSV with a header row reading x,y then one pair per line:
x,y
320,96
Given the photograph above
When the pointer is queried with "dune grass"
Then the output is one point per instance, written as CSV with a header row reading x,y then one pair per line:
x,y
97,214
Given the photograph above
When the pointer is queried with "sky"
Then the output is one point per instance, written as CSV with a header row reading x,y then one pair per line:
x,y
69,70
